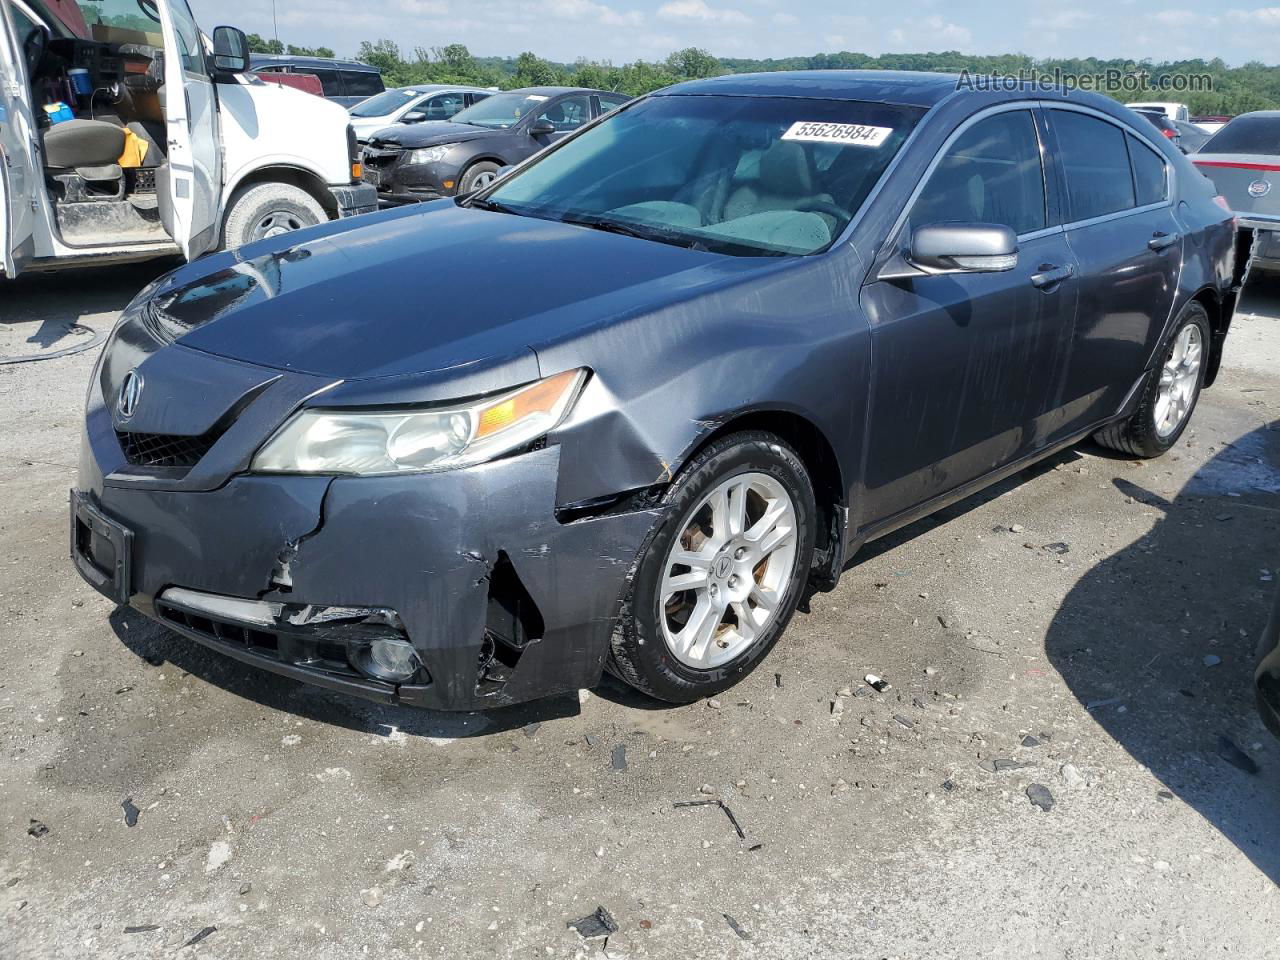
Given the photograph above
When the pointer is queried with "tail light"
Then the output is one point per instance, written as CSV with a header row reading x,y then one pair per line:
x,y
1171,134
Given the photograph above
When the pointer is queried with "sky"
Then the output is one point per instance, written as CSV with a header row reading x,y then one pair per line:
x,y
625,30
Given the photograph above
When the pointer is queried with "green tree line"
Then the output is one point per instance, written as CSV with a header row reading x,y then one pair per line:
x,y
1229,90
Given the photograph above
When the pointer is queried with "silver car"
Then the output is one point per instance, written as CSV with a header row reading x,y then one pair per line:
x,y
433,101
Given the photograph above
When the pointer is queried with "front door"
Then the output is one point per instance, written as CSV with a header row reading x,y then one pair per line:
x,y
967,368
1122,228
19,176
191,118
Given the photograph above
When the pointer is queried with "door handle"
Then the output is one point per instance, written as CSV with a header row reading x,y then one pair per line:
x,y
1051,276
1163,241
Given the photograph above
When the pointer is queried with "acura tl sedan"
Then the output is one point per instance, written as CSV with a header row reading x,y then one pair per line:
x,y
654,385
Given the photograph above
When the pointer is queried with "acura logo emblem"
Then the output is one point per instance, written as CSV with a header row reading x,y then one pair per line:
x,y
130,394
1259,188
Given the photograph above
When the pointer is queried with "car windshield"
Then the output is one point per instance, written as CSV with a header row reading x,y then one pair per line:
x,y
389,101
1246,135
500,111
746,176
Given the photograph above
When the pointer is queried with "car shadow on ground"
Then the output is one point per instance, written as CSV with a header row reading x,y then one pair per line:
x,y
61,298
1158,641
156,645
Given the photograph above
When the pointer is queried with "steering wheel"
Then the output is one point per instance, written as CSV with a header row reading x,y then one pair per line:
x,y
33,49
823,206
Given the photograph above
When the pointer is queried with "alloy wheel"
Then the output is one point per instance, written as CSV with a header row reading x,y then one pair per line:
x,y
727,569
1179,380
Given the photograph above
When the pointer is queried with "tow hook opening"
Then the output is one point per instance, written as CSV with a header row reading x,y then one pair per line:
x,y
512,623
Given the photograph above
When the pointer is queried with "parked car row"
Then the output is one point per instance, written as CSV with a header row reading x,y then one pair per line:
x,y
659,380
412,162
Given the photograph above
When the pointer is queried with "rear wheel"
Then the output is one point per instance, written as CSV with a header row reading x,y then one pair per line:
x,y
268,210
720,579
1171,394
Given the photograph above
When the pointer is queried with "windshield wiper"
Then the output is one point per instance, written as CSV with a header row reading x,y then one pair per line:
x,y
656,234
484,203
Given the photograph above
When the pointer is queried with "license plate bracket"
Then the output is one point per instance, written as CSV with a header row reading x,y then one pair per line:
x,y
101,549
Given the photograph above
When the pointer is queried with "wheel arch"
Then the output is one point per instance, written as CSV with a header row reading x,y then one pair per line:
x,y
1220,310
300,177
819,458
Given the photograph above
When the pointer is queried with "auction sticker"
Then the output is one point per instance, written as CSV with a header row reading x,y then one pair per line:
x,y
853,134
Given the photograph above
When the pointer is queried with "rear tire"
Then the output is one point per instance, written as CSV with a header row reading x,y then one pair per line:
x,y
765,547
1150,431
267,210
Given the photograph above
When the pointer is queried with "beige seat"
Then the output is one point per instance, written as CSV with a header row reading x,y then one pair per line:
x,y
786,180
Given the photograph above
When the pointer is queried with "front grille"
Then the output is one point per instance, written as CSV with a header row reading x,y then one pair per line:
x,y
165,449
380,158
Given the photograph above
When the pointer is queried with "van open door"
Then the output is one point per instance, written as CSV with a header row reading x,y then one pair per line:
x,y
19,179
193,179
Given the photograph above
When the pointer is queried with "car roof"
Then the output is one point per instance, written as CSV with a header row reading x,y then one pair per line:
x,y
911,88
437,87
263,59
1266,114
552,91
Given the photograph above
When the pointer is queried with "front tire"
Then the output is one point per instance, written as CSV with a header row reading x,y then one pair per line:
x,y
1171,394
721,577
268,210
478,175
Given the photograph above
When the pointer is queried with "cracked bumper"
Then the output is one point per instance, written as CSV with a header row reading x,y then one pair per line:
x,y
423,545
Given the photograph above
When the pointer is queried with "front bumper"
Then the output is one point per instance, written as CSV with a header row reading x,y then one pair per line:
x,y
501,600
397,182
355,199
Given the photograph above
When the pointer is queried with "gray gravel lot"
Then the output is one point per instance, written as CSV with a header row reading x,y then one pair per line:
x,y
894,824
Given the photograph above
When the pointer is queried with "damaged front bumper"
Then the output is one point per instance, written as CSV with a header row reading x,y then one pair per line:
x,y
501,601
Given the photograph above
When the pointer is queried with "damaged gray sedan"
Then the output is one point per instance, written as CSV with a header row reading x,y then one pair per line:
x,y
621,409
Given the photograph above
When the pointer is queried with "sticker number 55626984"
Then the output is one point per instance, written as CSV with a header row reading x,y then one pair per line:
x,y
853,134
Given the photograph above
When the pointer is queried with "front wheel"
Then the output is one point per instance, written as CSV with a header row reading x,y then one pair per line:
x,y
721,577
478,175
269,210
1170,395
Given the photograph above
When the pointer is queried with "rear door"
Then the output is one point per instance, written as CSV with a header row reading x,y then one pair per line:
x,y
566,114
967,368
191,118
19,179
1119,217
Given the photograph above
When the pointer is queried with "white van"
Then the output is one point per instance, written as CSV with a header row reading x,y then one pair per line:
x,y
100,161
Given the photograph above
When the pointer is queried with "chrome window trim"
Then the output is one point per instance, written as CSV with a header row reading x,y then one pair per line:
x,y
1125,128
1029,106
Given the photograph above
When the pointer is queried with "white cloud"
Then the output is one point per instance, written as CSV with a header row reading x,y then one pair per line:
x,y
1181,18
785,19
1264,16
700,10
931,33
587,10
1065,19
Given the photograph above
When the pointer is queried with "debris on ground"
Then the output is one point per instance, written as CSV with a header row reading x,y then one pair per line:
x,y
203,934
777,680
1030,741
37,829
1229,752
1095,704
529,729
619,761
736,927
1071,776
142,928
878,684
1164,794
727,812
714,704
905,721
1057,547
1040,796
593,925
1003,764
130,812
1212,659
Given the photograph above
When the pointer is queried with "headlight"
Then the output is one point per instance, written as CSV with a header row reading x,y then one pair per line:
x,y
406,441
429,154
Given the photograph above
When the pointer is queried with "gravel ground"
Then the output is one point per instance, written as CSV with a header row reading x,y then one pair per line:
x,y
1082,633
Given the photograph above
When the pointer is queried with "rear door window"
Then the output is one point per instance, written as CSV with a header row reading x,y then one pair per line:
x,y
567,114
1150,177
361,83
1246,135
330,82
991,174
1095,164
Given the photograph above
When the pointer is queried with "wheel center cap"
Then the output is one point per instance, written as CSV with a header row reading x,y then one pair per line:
x,y
722,567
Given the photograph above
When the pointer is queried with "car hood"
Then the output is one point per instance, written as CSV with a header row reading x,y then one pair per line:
x,y
424,289
431,132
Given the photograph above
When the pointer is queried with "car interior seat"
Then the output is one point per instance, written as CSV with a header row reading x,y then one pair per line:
x,y
785,182
82,155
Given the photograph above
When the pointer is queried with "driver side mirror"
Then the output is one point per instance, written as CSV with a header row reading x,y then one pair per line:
x,y
413,116
541,128
964,248
230,50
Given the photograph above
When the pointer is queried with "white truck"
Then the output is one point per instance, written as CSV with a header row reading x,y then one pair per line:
x,y
161,145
